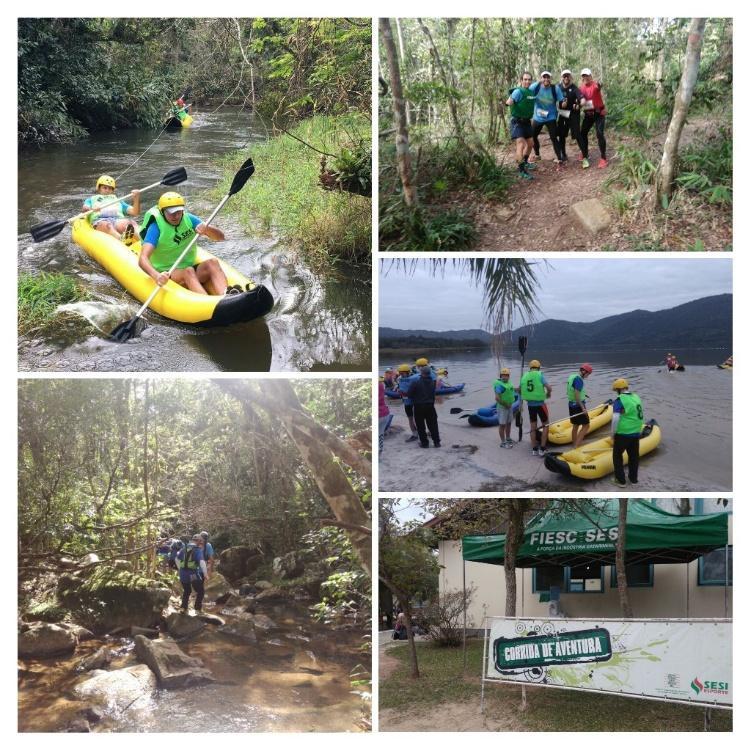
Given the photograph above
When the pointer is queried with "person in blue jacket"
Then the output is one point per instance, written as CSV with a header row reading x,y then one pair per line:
x,y
406,379
208,554
192,568
547,95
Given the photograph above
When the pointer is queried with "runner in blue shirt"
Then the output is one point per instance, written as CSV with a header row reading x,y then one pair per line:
x,y
546,112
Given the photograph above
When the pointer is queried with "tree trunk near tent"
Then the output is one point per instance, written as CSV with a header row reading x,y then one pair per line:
x,y
620,560
669,161
403,601
403,156
514,537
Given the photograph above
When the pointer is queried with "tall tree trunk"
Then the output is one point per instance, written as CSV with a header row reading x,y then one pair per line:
x,y
514,537
660,61
403,601
620,560
403,156
403,63
669,161
315,443
458,130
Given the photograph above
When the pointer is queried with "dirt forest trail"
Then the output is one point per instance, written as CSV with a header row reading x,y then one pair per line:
x,y
536,214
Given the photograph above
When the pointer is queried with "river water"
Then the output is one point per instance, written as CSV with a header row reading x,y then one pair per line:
x,y
693,409
320,324
295,680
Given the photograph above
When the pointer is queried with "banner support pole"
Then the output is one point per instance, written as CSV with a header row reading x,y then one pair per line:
x,y
464,608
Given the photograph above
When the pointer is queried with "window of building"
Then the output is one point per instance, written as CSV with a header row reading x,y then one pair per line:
x,y
637,575
712,567
585,578
543,577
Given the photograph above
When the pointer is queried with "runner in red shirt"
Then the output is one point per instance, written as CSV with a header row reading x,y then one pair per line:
x,y
594,110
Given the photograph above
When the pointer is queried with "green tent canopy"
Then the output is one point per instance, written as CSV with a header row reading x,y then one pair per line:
x,y
566,537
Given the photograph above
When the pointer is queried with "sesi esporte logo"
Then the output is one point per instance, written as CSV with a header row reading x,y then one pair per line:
x,y
710,687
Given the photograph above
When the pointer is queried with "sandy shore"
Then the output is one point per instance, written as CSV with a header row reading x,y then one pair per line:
x,y
470,459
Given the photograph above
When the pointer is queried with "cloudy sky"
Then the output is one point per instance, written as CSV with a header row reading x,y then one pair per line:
x,y
572,289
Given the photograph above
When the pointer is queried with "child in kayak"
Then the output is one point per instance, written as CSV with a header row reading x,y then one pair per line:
x,y
113,219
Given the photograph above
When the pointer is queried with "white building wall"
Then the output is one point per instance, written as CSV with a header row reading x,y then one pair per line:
x,y
671,596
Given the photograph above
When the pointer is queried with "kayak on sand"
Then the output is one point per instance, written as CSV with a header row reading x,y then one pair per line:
x,y
174,301
595,459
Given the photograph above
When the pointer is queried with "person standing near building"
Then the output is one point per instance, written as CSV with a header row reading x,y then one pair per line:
x,y
577,404
594,114
504,398
628,421
422,394
534,389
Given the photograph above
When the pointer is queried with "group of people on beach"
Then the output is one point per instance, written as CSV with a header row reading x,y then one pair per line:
x,y
557,107
165,232
417,384
193,558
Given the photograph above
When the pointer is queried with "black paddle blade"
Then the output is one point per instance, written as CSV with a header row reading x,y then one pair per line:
x,y
175,176
47,230
455,410
242,176
522,344
128,330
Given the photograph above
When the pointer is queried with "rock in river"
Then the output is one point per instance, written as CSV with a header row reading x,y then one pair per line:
x,y
183,626
118,690
172,667
46,640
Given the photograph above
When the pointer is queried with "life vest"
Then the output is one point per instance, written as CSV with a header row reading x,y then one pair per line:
x,y
632,417
523,109
506,399
188,560
531,387
571,391
172,240
115,210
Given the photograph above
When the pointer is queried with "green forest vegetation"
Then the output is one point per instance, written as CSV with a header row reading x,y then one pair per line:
x,y
448,178
305,81
107,466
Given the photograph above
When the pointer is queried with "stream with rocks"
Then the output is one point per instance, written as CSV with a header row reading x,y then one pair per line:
x,y
251,662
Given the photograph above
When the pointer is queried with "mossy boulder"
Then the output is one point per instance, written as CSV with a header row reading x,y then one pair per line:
x,y
49,611
108,598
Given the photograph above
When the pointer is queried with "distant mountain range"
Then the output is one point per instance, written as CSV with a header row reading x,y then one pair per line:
x,y
703,323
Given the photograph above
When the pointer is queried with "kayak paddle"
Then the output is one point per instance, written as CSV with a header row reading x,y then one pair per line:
x,y
48,230
519,416
135,326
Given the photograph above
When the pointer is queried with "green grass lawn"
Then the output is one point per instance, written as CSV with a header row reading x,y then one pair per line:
x,y
548,709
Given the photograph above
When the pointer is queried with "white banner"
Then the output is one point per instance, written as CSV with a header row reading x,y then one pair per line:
x,y
672,660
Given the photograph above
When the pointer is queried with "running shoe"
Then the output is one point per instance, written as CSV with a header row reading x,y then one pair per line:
x,y
411,438
602,164
530,165
541,452
618,483
509,444
534,451
585,163
525,176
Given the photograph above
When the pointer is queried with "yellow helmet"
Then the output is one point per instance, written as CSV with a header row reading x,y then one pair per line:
x,y
505,371
534,363
421,361
106,180
170,199
620,383
404,368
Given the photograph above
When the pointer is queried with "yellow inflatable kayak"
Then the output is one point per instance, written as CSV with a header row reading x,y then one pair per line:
x,y
560,432
595,459
176,122
174,301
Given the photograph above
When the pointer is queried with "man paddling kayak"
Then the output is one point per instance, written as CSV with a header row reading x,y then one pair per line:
x,y
113,219
167,229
